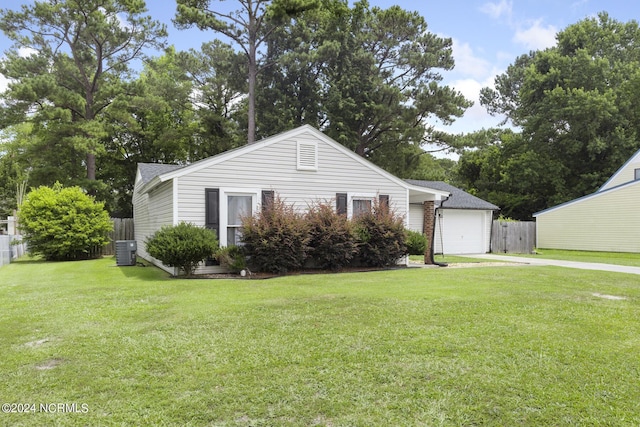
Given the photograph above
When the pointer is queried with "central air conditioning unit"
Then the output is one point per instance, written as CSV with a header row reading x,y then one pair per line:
x,y
126,252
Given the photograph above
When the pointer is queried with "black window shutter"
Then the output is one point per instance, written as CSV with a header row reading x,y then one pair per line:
x,y
384,201
212,209
268,196
341,203
212,216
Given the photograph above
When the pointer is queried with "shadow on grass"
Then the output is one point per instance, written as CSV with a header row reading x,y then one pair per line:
x,y
142,271
30,260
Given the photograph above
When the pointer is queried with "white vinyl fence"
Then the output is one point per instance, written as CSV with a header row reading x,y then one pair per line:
x,y
10,252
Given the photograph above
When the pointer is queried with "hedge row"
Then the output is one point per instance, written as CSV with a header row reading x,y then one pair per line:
x,y
279,240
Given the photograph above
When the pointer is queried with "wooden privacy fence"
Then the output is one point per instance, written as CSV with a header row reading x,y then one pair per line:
x,y
513,237
122,230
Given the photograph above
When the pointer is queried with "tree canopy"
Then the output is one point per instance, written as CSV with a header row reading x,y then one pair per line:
x,y
80,56
249,27
368,77
577,107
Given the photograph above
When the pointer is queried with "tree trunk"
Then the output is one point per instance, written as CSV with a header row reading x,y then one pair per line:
x,y
253,73
251,113
91,166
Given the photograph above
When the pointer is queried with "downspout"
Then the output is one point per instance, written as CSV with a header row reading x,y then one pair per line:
x,y
433,235
491,233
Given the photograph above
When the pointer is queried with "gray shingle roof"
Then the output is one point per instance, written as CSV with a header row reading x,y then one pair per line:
x,y
148,171
459,199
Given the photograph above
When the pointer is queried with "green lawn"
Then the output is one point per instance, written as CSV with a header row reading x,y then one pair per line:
x,y
502,346
619,258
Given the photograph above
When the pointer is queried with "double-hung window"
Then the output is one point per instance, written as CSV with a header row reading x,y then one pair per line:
x,y
361,206
238,206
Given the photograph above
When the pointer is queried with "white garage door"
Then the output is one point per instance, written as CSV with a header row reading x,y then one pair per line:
x,y
462,232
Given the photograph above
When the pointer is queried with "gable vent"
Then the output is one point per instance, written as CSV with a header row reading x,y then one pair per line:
x,y
308,156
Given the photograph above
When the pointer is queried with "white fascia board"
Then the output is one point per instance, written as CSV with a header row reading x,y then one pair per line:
x,y
619,171
427,191
211,161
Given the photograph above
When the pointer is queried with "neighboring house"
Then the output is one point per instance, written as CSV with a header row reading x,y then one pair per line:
x,y
463,221
607,220
302,166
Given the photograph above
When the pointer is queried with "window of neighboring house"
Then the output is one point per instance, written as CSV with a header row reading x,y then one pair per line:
x,y
636,174
361,206
237,207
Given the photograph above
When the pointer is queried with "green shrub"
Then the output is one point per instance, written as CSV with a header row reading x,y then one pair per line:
x,y
232,258
332,238
416,242
64,223
381,236
275,239
184,246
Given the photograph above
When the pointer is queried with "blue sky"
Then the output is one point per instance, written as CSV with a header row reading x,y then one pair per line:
x,y
487,35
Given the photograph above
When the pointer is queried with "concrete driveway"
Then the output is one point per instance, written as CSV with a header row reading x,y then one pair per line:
x,y
558,263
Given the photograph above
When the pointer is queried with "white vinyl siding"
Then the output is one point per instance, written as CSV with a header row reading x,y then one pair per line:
x,y
416,219
273,165
606,221
275,168
152,211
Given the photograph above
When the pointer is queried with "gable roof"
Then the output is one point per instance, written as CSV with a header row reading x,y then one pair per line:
x,y
148,171
458,199
633,159
153,176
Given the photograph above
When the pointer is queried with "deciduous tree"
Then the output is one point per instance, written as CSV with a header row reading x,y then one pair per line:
x,y
577,107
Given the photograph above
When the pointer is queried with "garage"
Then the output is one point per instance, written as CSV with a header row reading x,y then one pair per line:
x,y
463,221
461,232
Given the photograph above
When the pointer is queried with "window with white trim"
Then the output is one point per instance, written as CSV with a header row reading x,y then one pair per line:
x,y
238,206
361,207
636,174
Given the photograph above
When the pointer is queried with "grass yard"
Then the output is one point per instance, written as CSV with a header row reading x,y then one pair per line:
x,y
503,346
619,258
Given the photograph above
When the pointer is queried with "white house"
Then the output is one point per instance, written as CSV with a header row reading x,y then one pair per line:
x,y
606,220
463,221
302,166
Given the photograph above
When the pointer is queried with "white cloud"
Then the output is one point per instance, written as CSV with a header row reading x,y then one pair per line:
x,y
467,63
23,52
537,36
4,83
498,10
470,88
